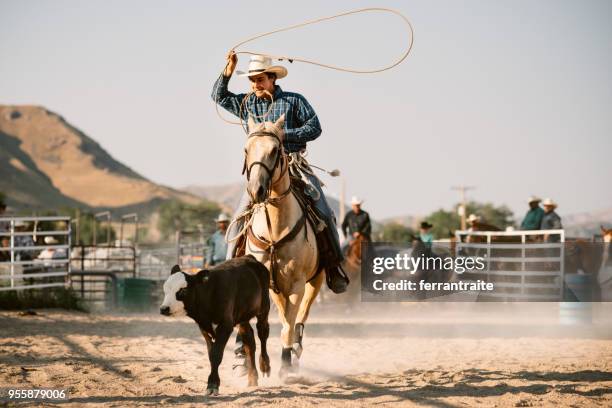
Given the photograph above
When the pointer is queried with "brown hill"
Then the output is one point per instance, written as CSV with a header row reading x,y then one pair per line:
x,y
45,162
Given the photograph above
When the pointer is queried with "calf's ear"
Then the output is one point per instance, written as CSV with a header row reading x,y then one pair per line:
x,y
203,275
175,269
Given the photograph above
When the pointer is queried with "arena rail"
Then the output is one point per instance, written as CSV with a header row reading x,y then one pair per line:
x,y
28,265
521,265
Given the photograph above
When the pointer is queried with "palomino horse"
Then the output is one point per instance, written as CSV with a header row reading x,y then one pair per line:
x,y
279,235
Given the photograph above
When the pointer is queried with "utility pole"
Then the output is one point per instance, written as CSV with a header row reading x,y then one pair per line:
x,y
462,209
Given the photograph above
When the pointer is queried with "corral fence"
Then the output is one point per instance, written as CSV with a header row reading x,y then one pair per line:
x,y
523,265
34,252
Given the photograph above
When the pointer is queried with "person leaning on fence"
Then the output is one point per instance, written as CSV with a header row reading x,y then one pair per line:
x,y
23,241
301,126
533,218
217,247
550,220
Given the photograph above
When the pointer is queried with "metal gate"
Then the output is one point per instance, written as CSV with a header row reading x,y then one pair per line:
x,y
34,252
518,262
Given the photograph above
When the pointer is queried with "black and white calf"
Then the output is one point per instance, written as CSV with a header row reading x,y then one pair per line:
x,y
228,295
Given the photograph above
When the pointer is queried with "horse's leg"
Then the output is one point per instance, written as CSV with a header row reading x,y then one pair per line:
x,y
310,294
246,331
287,315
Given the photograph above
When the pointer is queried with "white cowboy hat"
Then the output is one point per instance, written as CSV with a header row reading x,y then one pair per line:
x,y
260,64
534,199
49,240
548,202
473,217
356,201
222,218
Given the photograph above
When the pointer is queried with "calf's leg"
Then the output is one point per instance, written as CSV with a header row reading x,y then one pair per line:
x,y
263,331
222,334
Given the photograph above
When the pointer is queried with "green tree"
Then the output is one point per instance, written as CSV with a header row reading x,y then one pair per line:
x,y
177,215
445,223
396,232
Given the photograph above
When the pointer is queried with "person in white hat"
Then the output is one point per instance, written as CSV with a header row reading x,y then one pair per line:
x,y
533,218
268,101
23,241
550,220
357,222
217,247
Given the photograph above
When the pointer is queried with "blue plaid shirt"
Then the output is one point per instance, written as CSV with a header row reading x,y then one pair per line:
x,y
301,122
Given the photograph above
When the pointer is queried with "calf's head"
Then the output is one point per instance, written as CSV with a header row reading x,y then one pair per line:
x,y
180,291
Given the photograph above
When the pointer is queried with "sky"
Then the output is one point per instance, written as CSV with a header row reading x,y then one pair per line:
x,y
512,97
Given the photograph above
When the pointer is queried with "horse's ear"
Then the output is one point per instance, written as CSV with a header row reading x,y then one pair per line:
x,y
251,123
175,269
280,123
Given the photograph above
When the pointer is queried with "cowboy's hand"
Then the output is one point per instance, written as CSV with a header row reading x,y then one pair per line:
x,y
232,61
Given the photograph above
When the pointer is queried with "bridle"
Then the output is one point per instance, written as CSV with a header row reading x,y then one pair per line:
x,y
280,159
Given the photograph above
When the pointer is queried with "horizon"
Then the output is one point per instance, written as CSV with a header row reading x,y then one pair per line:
x,y
523,86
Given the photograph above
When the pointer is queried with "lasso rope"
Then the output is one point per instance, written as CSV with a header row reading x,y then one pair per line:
x,y
337,68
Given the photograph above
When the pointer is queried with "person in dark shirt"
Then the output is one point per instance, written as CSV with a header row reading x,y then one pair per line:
x,y
533,218
550,220
357,222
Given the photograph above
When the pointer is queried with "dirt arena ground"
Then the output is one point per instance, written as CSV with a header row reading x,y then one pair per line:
x,y
439,355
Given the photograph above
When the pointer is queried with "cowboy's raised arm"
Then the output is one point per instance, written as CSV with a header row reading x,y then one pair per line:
x,y
221,94
310,127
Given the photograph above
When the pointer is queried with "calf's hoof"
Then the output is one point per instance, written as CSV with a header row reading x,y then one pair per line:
x,y
212,391
264,365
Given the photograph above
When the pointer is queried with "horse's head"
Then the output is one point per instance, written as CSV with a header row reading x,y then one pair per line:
x,y
264,157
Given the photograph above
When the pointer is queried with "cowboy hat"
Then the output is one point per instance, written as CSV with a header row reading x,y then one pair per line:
x,y
473,218
49,240
222,218
260,64
426,225
534,199
549,203
356,201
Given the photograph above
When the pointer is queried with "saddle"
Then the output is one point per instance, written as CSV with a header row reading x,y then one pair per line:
x,y
311,216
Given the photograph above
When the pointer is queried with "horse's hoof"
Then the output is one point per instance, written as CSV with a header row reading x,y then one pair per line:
x,y
297,350
212,391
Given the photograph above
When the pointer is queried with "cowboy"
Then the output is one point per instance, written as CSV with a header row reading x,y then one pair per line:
x,y
533,218
23,241
425,234
357,222
217,247
550,220
269,101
